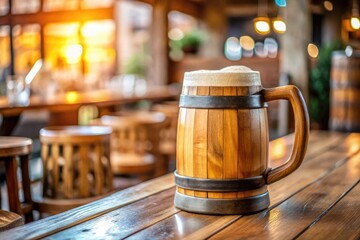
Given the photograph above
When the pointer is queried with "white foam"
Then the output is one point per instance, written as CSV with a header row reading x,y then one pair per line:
x,y
228,76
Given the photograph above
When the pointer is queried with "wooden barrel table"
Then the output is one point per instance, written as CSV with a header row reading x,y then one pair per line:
x,y
345,92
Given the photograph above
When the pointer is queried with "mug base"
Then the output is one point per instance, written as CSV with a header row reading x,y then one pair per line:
x,y
220,206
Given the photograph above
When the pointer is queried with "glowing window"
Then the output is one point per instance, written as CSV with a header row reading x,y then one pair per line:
x,y
4,46
25,6
4,7
57,5
26,46
96,4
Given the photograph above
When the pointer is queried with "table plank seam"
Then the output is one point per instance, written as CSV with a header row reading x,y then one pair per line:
x,y
326,173
93,216
327,210
160,220
331,147
221,228
81,220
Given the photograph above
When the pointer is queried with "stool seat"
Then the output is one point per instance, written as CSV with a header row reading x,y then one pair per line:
x,y
12,149
132,163
9,220
84,134
13,146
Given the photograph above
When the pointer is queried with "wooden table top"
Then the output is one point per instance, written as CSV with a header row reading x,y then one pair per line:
x,y
318,201
71,100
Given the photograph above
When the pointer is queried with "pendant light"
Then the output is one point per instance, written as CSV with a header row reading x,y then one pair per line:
x,y
262,22
354,20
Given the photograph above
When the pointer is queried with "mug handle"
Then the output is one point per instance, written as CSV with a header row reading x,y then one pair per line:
x,y
292,94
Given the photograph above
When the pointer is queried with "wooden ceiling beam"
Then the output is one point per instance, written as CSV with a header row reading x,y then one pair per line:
x,y
58,16
192,8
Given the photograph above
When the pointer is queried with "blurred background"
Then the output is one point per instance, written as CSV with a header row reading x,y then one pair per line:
x,y
88,45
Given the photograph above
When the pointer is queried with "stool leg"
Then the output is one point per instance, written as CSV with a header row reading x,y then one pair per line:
x,y
26,183
12,185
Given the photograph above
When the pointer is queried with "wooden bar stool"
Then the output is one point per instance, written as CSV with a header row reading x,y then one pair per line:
x,y
135,143
76,166
12,149
9,220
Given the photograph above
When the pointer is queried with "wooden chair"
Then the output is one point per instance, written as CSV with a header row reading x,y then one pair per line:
x,y
13,149
135,143
76,166
9,220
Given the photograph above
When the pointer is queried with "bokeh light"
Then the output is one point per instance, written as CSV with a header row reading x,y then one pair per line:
x,y
349,51
280,3
313,50
272,47
328,6
232,49
262,25
260,50
176,34
355,23
73,53
247,43
279,25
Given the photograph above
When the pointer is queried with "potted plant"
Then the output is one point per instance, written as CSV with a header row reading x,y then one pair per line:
x,y
190,43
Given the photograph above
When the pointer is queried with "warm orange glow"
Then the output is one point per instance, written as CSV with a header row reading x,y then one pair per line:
x,y
247,43
353,143
98,29
262,25
96,55
72,97
279,25
62,29
328,5
313,50
72,53
4,46
277,149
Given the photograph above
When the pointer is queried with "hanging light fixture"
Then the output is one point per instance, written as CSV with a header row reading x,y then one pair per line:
x,y
354,20
262,22
262,25
279,25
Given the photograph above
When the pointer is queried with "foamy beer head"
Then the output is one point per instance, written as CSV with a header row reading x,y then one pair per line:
x,y
233,76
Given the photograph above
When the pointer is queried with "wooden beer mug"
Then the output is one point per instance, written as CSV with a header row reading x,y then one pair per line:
x,y
223,141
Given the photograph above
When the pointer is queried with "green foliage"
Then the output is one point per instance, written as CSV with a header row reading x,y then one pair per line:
x,y
136,65
191,40
320,85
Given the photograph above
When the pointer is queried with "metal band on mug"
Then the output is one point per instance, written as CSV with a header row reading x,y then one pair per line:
x,y
222,102
219,185
222,206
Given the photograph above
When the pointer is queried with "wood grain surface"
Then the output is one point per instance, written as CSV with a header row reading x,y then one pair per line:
x,y
318,201
62,221
9,220
200,142
215,142
341,220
